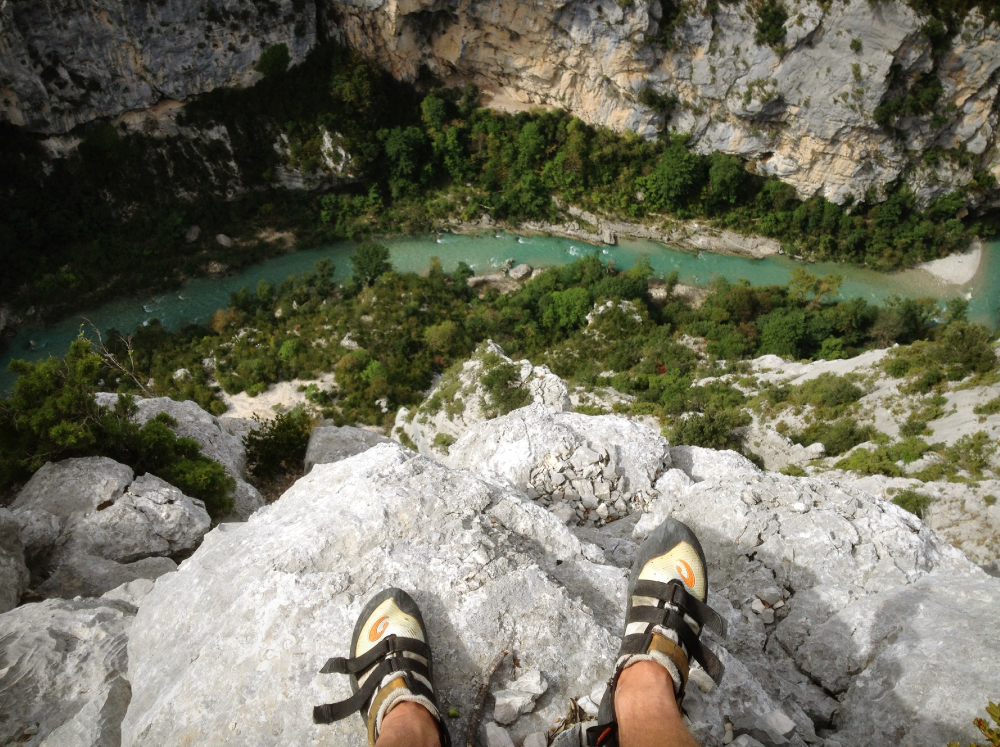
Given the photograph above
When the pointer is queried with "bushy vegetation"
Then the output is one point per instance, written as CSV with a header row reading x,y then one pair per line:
x,y
913,501
278,446
52,414
992,734
118,208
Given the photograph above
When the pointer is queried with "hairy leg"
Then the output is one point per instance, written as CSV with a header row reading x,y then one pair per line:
x,y
647,711
408,725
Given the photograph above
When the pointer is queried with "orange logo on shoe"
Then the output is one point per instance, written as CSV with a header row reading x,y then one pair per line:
x,y
685,572
381,624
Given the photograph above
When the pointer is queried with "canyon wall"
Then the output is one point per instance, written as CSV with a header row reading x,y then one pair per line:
x,y
803,109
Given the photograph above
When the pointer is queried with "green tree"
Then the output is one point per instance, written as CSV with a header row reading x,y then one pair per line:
x,y
370,261
676,178
567,310
725,178
274,61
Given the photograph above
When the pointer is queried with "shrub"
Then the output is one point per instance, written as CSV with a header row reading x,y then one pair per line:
x,y
827,390
502,382
444,441
990,408
870,462
771,17
274,61
278,445
972,453
992,735
838,437
711,429
914,502
794,470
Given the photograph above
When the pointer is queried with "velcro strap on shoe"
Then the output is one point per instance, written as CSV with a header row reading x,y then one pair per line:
x,y
390,645
673,652
673,592
327,714
639,643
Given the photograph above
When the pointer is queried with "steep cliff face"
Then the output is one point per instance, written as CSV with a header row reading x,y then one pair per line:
x,y
803,110
64,62
804,107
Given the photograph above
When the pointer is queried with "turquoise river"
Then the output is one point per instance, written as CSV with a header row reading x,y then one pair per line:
x,y
198,299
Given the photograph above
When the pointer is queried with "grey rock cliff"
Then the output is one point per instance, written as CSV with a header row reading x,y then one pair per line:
x,y
804,112
63,63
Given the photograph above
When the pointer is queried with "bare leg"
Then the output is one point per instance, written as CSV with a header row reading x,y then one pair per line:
x,y
647,710
408,725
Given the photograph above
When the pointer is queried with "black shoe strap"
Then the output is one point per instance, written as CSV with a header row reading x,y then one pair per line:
x,y
673,592
389,645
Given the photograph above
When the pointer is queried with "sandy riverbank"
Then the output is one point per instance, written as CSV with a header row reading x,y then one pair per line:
x,y
956,269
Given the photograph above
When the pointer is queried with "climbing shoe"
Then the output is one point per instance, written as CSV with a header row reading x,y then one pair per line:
x,y
664,616
390,663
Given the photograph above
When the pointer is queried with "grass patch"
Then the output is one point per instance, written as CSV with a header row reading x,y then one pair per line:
x,y
443,442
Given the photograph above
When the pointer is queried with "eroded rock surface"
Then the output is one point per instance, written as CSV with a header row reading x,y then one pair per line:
x,y
87,526
821,583
594,468
63,673
294,578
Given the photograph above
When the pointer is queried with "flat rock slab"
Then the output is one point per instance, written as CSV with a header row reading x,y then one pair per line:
x,y
63,673
329,444
230,646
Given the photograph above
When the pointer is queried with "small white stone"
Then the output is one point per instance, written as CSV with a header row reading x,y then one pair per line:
x,y
778,605
767,616
588,706
497,736
536,739
602,510
701,678
757,606
777,722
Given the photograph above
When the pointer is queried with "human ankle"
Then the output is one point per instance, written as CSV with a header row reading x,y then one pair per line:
x,y
409,724
643,687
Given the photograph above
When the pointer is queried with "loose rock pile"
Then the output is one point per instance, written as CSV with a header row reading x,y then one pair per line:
x,y
585,469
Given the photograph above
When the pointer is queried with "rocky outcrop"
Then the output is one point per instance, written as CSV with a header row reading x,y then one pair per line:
x,y
64,63
64,673
460,400
843,609
88,527
221,440
802,110
329,444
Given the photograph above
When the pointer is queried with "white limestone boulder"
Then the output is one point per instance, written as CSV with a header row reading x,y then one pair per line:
x,y
459,401
63,673
87,526
221,439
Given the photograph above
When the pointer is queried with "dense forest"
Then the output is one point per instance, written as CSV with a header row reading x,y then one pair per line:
x,y
113,215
